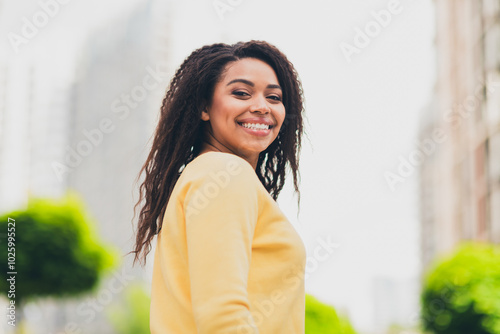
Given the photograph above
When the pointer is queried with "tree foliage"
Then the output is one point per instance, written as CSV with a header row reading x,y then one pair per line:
x,y
323,319
57,252
131,316
461,293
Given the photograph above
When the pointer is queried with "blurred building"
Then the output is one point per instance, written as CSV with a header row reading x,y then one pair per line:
x,y
33,130
87,131
460,130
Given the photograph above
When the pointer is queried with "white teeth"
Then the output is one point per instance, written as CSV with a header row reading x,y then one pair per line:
x,y
255,126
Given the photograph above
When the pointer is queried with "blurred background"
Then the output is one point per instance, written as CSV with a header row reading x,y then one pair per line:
x,y
400,165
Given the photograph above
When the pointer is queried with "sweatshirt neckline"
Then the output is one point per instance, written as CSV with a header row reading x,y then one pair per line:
x,y
199,155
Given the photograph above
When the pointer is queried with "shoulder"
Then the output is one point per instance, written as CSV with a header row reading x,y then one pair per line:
x,y
221,163
215,179
218,170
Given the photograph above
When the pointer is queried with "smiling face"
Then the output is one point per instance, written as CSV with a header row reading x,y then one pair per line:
x,y
247,111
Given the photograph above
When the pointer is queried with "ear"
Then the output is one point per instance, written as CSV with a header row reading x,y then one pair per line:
x,y
204,115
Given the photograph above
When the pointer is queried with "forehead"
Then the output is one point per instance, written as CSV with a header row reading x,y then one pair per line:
x,y
251,69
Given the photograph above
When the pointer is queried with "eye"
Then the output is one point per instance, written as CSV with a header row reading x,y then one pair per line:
x,y
275,97
240,93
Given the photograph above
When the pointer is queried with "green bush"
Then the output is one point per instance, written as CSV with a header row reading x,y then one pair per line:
x,y
323,319
132,315
56,250
461,293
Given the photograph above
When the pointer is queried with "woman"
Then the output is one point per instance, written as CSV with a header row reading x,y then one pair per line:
x,y
227,260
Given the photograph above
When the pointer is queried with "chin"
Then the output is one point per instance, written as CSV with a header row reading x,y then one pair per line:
x,y
253,150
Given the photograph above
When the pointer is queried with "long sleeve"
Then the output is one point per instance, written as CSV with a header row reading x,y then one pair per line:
x,y
223,256
221,212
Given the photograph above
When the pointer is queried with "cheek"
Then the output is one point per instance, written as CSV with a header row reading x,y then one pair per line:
x,y
219,113
228,109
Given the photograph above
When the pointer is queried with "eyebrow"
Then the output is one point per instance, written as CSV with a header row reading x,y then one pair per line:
x,y
246,82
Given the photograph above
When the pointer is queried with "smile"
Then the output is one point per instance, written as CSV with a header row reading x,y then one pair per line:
x,y
256,126
256,129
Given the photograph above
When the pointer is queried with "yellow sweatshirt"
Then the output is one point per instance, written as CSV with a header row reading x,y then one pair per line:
x,y
227,260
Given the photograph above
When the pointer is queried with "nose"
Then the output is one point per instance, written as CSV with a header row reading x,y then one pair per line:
x,y
260,104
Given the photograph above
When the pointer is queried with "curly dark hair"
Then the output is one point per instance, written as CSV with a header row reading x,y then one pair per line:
x,y
180,131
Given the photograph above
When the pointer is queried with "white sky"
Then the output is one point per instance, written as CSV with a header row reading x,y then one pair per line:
x,y
360,117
